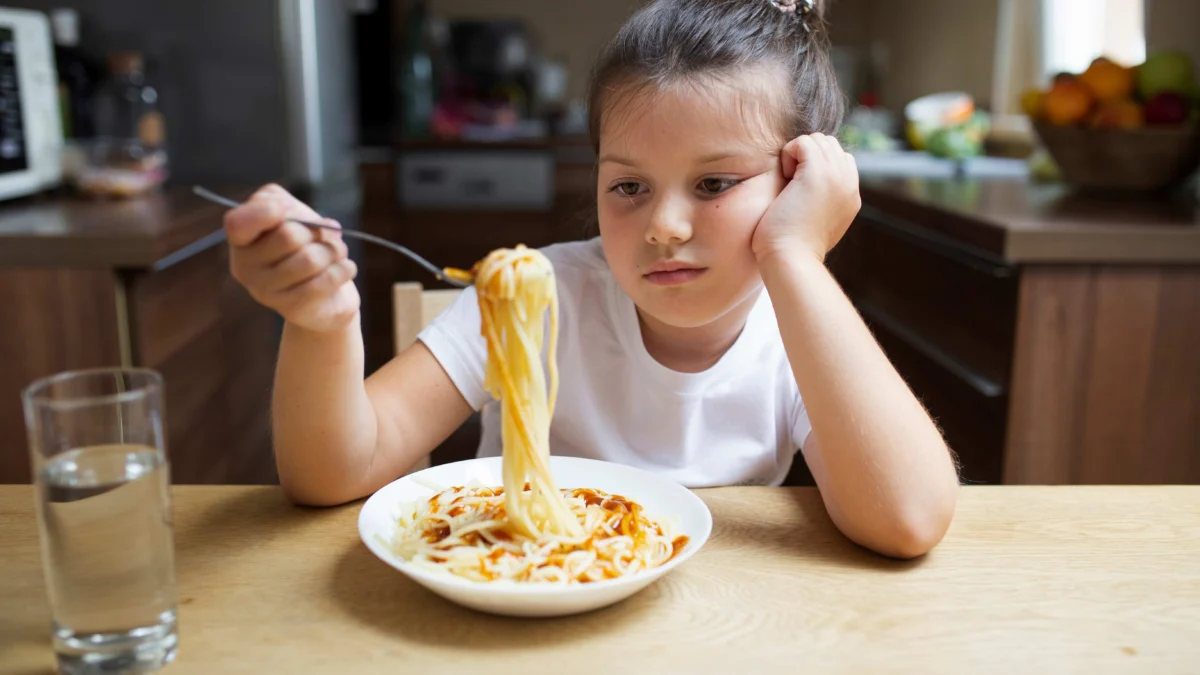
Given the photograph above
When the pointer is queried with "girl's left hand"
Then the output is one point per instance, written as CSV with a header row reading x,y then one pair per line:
x,y
818,204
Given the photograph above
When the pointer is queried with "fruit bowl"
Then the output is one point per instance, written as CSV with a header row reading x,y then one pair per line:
x,y
1148,159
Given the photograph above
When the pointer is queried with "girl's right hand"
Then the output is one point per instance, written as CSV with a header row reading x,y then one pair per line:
x,y
302,273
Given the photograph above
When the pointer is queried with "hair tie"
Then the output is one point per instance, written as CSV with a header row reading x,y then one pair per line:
x,y
801,9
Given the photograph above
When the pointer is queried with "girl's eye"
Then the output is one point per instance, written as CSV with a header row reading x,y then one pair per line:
x,y
628,188
715,186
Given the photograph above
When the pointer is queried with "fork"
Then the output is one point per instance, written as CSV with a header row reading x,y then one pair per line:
x,y
454,277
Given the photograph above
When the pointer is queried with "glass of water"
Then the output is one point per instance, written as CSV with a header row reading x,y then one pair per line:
x,y
104,510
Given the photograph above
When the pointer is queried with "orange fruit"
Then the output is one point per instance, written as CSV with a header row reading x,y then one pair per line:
x,y
1108,81
1121,113
1067,103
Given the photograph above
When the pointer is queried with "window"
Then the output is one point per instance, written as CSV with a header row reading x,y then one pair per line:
x,y
1076,31
1035,39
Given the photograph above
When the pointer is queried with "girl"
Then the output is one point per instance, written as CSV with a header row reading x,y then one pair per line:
x,y
717,181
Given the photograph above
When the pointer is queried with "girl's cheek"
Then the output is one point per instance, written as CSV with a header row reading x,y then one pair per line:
x,y
737,216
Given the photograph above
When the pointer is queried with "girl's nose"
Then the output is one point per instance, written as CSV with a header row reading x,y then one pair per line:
x,y
670,223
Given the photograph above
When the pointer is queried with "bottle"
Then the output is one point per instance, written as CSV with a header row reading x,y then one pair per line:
x,y
76,76
129,155
417,85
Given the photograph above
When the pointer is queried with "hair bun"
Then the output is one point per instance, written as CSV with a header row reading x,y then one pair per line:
x,y
805,11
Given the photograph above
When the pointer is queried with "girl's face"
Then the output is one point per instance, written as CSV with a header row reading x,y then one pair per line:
x,y
684,177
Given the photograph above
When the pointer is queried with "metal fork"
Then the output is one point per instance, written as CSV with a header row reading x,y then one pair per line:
x,y
454,277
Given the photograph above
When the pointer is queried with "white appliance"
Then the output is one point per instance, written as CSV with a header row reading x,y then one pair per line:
x,y
30,126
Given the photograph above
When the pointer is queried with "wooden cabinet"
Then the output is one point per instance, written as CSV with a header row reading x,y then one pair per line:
x,y
946,317
177,312
216,349
1046,371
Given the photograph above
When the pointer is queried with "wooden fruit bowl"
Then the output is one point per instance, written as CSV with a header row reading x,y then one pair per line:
x,y
1134,160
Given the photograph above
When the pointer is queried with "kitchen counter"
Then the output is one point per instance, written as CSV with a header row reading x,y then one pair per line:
x,y
1064,579
1016,221
147,232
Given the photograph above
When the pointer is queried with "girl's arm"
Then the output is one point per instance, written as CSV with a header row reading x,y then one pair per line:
x,y
886,476
336,438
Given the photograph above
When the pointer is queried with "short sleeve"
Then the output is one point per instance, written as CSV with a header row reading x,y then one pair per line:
x,y
455,341
801,426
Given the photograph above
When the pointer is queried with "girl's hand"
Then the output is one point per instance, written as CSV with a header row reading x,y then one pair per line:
x,y
816,207
302,273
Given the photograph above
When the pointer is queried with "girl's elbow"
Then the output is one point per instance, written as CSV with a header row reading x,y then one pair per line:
x,y
913,543
300,493
920,530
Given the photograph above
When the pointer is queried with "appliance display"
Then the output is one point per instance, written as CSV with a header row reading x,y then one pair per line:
x,y
30,125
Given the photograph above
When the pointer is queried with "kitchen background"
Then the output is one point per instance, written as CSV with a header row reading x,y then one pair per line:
x,y
1049,328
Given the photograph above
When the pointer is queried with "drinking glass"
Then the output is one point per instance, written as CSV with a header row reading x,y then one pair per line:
x,y
104,512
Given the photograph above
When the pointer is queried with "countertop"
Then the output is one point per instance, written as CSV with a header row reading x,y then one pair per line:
x,y
144,232
1018,221
1029,579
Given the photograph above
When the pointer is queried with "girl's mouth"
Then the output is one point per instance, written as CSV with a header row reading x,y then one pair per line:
x,y
673,273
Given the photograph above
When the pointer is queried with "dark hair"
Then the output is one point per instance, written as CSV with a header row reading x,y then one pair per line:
x,y
673,41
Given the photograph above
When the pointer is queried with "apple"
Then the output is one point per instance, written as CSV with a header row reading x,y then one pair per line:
x,y
1167,108
1169,71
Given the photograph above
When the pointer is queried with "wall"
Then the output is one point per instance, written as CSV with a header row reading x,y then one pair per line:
x,y
934,45
1174,24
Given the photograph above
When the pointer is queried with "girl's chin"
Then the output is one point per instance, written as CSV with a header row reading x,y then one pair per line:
x,y
683,310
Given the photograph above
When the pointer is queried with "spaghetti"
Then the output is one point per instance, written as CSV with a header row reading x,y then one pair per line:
x,y
466,531
528,529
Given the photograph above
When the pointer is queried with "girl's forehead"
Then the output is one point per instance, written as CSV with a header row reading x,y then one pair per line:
x,y
700,115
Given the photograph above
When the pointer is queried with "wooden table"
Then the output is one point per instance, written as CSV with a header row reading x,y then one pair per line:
x,y
1030,579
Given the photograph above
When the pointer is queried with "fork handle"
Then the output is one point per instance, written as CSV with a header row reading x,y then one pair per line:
x,y
441,274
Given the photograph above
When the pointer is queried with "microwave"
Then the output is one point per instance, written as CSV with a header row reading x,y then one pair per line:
x,y
31,138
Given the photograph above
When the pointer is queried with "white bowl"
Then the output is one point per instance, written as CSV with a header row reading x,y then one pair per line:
x,y
661,497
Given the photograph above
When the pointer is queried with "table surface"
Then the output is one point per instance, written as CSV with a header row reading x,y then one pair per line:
x,y
1029,579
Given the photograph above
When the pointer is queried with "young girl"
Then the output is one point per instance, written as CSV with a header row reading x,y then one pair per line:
x,y
717,181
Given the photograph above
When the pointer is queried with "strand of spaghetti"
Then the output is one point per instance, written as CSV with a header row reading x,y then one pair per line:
x,y
552,355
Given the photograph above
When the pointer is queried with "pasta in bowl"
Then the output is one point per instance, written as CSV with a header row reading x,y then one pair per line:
x,y
526,533
503,575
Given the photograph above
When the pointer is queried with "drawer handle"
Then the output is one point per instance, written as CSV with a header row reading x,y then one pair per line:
x,y
942,245
981,383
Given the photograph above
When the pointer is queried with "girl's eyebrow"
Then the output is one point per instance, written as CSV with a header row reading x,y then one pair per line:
x,y
616,160
706,159
728,154
718,156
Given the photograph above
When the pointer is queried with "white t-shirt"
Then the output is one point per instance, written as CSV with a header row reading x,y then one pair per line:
x,y
737,423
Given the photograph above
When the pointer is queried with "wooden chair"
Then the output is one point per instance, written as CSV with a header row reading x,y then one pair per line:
x,y
413,308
